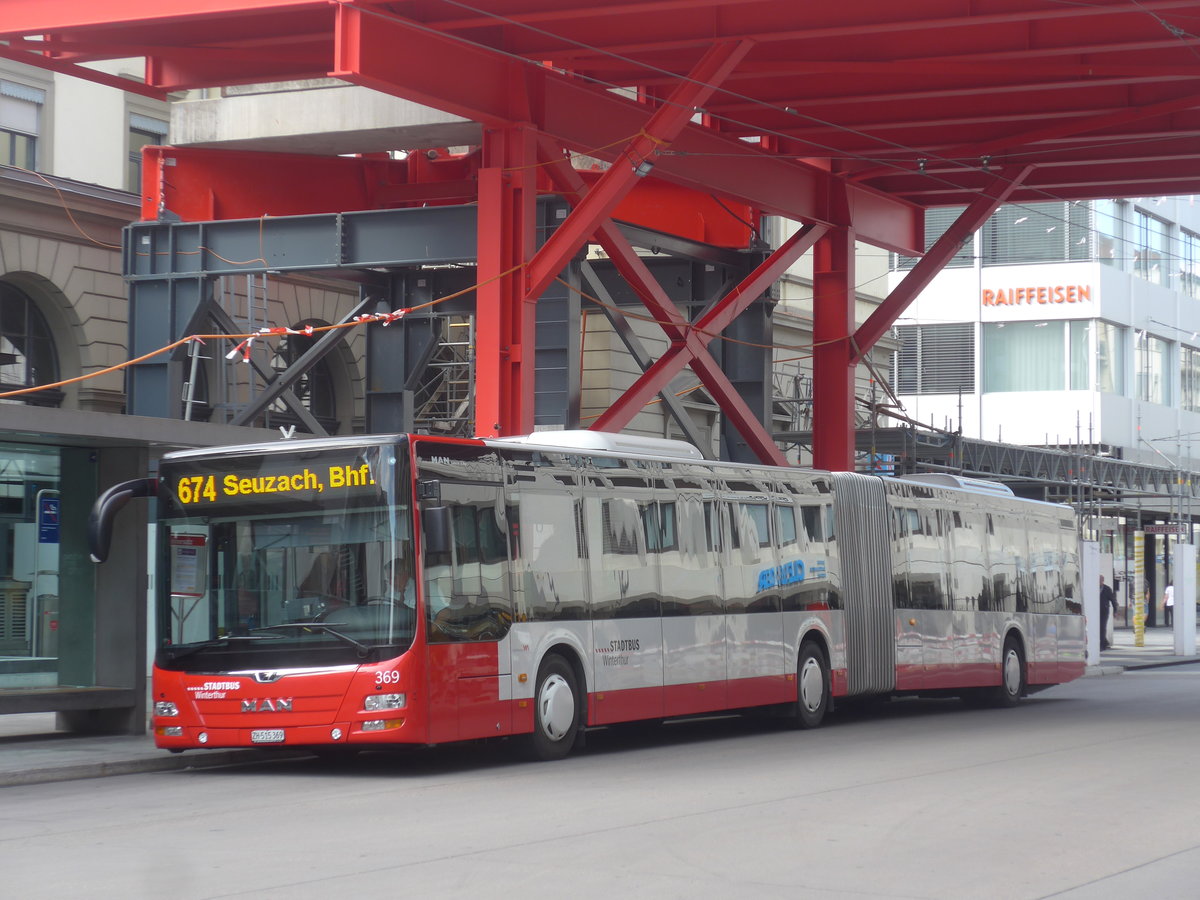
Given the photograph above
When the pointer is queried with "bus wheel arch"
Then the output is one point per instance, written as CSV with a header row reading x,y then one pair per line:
x,y
560,705
813,687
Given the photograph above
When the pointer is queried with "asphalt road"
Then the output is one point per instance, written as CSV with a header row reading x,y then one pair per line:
x,y
1089,790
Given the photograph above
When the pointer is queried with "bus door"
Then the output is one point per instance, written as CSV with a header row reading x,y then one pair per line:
x,y
693,608
976,655
928,622
549,559
627,641
468,609
758,668
937,614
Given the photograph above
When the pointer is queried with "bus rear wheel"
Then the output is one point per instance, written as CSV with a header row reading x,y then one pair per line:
x,y
1012,675
812,685
1011,689
557,710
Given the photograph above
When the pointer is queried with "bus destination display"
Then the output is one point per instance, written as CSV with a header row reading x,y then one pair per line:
x,y
205,487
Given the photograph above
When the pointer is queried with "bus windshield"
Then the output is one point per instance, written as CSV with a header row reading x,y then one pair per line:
x,y
273,562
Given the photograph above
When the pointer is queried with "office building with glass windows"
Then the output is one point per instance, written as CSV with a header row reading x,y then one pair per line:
x,y
1062,324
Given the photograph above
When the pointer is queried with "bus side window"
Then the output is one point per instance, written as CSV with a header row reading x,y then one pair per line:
x,y
1004,562
972,590
900,593
551,572
753,523
467,594
812,518
1072,604
668,526
620,528
927,561
712,526
732,528
651,527
785,524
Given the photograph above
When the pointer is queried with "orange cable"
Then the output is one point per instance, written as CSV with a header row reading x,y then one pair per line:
x,y
384,318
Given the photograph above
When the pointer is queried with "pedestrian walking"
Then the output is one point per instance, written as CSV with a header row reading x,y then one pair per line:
x,y
1108,603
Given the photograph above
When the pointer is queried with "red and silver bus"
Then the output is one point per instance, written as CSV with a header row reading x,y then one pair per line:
x,y
568,580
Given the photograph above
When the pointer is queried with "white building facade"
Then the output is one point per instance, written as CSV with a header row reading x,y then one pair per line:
x,y
1060,324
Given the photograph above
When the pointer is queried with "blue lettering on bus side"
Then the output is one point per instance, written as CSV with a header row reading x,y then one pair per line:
x,y
792,572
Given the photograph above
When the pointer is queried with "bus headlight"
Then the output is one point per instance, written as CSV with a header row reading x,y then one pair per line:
x,y
165,708
375,702
382,724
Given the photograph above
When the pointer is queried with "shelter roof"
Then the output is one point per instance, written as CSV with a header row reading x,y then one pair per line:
x,y
918,103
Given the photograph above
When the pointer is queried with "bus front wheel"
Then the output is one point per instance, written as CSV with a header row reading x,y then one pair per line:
x,y
556,714
812,685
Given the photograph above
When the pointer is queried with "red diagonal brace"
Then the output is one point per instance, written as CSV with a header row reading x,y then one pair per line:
x,y
942,251
628,263
677,329
683,352
662,128
681,334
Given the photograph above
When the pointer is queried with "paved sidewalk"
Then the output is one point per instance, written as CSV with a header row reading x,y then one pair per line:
x,y
32,751
1158,649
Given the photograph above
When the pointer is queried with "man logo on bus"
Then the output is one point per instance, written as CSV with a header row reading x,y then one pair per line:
x,y
282,704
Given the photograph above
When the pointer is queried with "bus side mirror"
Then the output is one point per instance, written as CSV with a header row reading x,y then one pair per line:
x,y
436,521
105,509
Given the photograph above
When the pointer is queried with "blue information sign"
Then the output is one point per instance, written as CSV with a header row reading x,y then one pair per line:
x,y
47,520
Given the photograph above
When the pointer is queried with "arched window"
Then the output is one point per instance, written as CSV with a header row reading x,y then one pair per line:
x,y
27,354
314,387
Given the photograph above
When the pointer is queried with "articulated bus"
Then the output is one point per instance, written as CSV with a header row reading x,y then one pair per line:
x,y
568,580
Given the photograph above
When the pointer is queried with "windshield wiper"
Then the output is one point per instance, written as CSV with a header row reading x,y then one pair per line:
x,y
223,641
363,649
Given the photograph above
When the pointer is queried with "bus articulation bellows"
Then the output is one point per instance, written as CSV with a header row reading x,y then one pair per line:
x,y
568,580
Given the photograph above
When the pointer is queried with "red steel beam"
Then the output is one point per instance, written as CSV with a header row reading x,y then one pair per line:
x,y
32,57
1063,128
638,157
43,16
475,82
368,45
913,34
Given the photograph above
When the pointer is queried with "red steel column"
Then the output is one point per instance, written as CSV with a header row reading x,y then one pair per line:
x,y
504,318
833,367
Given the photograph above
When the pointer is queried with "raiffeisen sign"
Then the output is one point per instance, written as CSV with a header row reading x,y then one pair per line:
x,y
1036,295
